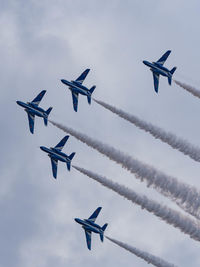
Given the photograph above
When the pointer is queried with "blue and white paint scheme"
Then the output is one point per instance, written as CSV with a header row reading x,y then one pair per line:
x,y
33,110
56,155
77,88
158,69
90,226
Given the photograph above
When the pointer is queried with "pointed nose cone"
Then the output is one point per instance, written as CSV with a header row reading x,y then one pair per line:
x,y
20,103
42,148
76,220
145,62
62,80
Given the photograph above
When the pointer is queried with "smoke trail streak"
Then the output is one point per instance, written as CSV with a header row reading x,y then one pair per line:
x,y
149,258
175,142
172,217
188,88
187,197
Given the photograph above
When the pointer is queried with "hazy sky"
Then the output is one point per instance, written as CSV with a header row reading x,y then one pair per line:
x,y
44,41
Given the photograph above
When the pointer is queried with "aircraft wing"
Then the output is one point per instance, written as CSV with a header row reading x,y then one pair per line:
x,y
95,214
156,81
82,77
164,57
88,235
38,98
75,100
54,164
31,118
61,144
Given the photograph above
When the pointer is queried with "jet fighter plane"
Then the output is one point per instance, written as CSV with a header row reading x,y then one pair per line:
x,y
158,69
76,88
90,226
55,154
33,110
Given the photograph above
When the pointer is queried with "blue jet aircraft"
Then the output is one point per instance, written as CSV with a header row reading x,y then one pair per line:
x,y
158,69
76,88
33,110
90,226
55,154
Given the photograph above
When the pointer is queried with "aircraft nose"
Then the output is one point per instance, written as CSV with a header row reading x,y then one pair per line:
x,y
76,220
42,148
62,80
145,62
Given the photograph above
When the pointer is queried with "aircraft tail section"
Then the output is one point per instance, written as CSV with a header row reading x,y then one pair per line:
x,y
102,233
101,236
46,118
170,78
49,110
104,226
69,163
89,96
92,89
173,70
89,99
72,155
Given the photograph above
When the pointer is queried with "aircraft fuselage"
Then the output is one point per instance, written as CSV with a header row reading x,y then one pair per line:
x,y
33,109
76,87
53,152
157,68
89,225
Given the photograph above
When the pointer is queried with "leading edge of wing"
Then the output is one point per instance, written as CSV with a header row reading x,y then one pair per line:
x,y
82,77
31,118
61,144
54,165
75,101
164,57
39,97
88,238
95,214
156,81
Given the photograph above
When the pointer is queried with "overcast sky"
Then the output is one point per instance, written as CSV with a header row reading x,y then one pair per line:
x,y
44,41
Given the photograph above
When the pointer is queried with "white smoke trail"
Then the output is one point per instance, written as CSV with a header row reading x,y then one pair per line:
x,y
149,258
172,217
175,142
187,197
188,88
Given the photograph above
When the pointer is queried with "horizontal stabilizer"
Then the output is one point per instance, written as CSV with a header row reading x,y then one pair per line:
x,y
72,155
68,165
49,110
101,236
89,99
92,89
45,121
173,70
104,226
170,80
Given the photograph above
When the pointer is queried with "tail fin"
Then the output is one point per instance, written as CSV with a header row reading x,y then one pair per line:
x,y
48,111
173,70
104,227
69,162
72,155
46,118
101,236
102,233
92,89
170,78
89,99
